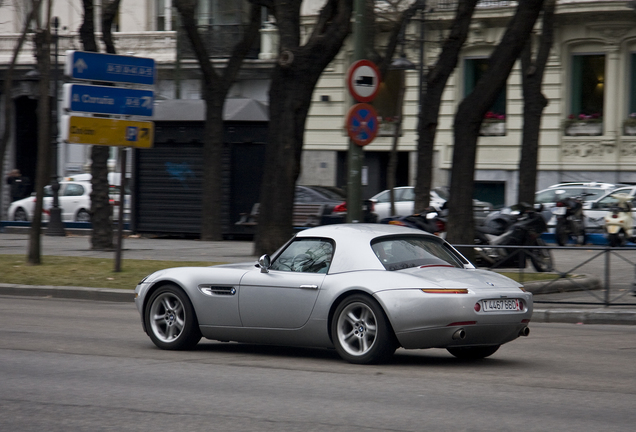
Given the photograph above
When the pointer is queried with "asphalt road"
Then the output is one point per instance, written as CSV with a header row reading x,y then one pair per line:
x,y
72,365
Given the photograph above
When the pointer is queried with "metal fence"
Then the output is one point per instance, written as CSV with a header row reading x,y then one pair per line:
x,y
599,275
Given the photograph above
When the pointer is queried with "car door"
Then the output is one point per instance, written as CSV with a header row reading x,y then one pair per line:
x,y
284,296
72,199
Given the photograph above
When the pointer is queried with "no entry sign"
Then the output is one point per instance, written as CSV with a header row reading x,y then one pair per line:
x,y
362,124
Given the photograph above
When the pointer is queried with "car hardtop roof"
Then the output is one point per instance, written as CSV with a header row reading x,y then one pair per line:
x,y
361,231
585,184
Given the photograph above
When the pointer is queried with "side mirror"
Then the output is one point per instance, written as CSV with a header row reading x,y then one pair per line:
x,y
595,205
264,262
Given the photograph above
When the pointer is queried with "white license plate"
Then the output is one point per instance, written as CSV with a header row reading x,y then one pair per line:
x,y
559,210
501,305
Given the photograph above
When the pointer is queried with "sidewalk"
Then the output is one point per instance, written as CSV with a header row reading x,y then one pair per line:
x,y
242,251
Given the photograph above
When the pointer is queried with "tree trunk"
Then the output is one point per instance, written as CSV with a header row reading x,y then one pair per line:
x,y
102,235
470,115
43,50
431,99
215,89
533,104
293,80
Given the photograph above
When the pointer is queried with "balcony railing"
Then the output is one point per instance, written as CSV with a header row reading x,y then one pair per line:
x,y
452,4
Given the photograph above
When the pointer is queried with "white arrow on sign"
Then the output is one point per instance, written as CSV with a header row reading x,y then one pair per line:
x,y
147,102
80,65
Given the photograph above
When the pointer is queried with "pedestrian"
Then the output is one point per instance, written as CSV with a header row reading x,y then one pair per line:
x,y
19,184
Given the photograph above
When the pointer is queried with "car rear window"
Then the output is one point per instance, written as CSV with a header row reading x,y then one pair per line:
x,y
397,253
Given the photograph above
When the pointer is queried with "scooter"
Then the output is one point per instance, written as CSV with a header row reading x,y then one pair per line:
x,y
619,225
569,221
525,230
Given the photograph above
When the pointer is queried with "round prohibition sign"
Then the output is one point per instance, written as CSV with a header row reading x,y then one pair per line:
x,y
363,80
362,124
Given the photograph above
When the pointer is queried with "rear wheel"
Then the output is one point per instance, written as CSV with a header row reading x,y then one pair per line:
x,y
473,353
170,319
20,215
541,258
361,331
562,233
82,216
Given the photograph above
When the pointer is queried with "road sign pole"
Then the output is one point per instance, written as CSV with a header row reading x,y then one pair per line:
x,y
355,155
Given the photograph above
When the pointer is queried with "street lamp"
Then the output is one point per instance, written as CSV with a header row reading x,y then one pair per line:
x,y
55,227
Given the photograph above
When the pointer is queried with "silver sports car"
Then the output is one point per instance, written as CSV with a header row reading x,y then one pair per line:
x,y
363,289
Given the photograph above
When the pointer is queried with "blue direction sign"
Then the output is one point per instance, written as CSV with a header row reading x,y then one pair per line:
x,y
108,100
91,66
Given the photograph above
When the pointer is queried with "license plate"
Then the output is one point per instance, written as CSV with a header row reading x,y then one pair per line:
x,y
559,210
501,305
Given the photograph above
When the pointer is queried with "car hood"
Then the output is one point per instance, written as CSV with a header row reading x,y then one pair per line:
x,y
452,277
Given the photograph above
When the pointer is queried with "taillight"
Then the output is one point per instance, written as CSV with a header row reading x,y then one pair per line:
x,y
340,208
560,204
445,290
441,225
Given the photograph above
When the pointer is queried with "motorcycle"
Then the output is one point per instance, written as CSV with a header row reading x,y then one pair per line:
x,y
432,221
618,221
569,221
523,227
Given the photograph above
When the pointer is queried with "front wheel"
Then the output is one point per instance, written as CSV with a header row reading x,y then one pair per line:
x,y
20,215
361,331
617,239
541,258
170,319
473,353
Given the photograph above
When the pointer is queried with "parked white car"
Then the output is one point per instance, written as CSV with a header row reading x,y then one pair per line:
x,y
404,197
588,191
595,212
74,200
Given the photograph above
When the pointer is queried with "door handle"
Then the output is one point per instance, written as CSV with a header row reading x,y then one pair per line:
x,y
309,286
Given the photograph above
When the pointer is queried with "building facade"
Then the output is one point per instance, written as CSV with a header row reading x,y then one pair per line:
x,y
586,131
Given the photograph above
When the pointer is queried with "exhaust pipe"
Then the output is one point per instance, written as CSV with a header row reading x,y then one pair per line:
x,y
524,331
459,335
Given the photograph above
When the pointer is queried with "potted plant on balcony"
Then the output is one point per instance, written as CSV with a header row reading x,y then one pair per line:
x,y
493,125
583,124
629,125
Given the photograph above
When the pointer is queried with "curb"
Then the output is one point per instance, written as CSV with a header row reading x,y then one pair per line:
x,y
584,316
78,293
558,285
568,316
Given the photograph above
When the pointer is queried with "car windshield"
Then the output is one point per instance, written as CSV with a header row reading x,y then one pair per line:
x,y
306,255
397,253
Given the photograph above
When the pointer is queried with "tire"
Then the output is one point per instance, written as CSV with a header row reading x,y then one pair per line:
x,y
581,238
541,258
20,215
473,353
617,240
170,319
361,331
562,233
82,216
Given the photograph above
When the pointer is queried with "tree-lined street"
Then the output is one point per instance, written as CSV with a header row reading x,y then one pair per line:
x,y
80,365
